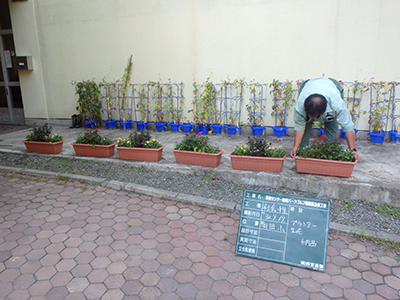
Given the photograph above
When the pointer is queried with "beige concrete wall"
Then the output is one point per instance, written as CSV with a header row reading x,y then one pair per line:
x,y
190,40
27,43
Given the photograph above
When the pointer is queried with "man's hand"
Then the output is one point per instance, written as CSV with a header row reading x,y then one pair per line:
x,y
298,135
293,152
351,143
356,156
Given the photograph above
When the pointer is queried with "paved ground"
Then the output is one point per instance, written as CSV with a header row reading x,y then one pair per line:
x,y
68,240
12,128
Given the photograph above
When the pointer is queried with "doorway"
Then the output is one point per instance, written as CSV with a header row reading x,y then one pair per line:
x,y
11,107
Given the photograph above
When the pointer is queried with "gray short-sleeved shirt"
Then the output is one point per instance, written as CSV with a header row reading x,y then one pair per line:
x,y
336,106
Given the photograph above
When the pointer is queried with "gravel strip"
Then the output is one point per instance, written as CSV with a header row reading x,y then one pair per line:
x,y
357,213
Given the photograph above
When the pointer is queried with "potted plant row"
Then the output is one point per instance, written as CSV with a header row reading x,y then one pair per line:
x,y
325,158
321,157
257,155
40,140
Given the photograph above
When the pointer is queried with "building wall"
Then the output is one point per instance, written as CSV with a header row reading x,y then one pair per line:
x,y
190,40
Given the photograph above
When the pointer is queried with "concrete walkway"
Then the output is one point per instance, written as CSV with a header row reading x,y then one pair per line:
x,y
68,240
375,179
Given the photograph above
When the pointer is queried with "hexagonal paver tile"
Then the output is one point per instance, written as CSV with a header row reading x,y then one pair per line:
x,y
387,292
354,294
277,289
77,285
242,292
184,276
150,292
257,284
165,258
40,288
351,273
218,274
114,281
166,271
331,290
133,273
311,285
342,281
61,279
372,277
297,292
393,282
95,291
117,267
364,286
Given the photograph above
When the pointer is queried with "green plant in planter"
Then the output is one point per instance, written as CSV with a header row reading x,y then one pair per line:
x,y
175,102
232,118
142,105
117,90
283,97
358,90
321,149
355,92
232,93
139,140
197,143
204,101
379,108
110,92
258,146
89,105
92,136
255,108
125,113
43,134
158,96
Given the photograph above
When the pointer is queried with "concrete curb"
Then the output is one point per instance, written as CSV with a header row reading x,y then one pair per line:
x,y
211,203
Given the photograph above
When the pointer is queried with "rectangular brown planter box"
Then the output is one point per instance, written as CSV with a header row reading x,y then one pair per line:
x,y
198,158
257,163
44,147
97,150
143,154
324,166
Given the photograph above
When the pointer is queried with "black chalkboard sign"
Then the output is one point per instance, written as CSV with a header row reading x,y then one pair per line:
x,y
284,228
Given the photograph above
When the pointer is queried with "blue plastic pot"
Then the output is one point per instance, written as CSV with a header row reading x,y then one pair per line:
x,y
376,138
217,129
279,130
125,124
161,126
174,127
321,131
203,129
258,130
232,130
394,136
343,134
110,124
186,127
90,124
140,125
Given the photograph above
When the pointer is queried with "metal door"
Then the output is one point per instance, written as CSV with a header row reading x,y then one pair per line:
x,y
11,107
